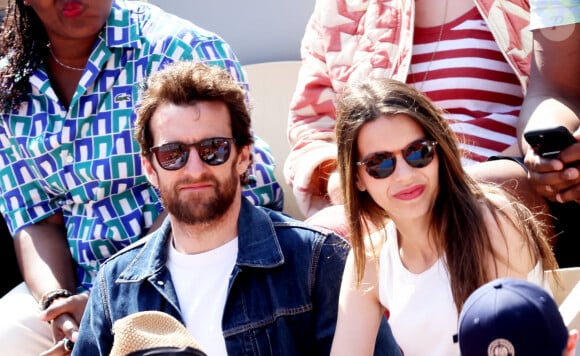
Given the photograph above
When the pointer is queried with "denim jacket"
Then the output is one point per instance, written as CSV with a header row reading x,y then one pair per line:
x,y
282,295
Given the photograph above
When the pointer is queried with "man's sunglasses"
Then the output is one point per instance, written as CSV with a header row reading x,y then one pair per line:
x,y
417,154
213,151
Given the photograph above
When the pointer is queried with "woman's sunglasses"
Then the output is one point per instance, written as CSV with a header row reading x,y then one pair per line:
x,y
417,154
213,151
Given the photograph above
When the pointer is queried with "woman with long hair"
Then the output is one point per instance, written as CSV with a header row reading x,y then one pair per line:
x,y
424,233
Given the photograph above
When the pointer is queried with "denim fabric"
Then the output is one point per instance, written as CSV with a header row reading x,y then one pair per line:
x,y
282,298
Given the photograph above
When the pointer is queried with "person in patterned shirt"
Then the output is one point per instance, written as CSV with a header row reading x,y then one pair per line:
x,y
73,191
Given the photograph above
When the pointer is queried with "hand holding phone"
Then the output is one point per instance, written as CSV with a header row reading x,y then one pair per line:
x,y
549,142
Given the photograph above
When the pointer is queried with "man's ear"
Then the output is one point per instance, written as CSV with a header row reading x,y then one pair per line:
x,y
150,172
572,341
244,159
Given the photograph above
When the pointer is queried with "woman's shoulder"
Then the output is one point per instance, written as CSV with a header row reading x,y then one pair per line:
x,y
507,237
499,214
377,240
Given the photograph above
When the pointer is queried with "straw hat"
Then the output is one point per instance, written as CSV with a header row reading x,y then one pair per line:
x,y
153,331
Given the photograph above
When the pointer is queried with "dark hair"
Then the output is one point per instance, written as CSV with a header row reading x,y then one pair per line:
x,y
187,83
23,48
457,218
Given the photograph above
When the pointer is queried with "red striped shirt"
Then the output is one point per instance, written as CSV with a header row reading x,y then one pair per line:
x,y
466,75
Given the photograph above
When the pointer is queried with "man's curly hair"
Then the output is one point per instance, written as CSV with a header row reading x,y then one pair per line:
x,y
23,47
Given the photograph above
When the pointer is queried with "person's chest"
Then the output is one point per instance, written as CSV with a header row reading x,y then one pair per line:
x,y
429,13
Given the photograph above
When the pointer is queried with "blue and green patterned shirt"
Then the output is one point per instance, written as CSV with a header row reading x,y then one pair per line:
x,y
84,162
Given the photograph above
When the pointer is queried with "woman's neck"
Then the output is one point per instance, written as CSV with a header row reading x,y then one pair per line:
x,y
417,245
66,60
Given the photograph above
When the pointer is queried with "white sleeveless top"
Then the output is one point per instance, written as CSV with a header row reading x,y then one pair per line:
x,y
423,316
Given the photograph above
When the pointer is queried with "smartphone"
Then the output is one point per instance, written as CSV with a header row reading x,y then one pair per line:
x,y
550,141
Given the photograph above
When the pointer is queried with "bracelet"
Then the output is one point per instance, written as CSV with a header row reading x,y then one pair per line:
x,y
49,297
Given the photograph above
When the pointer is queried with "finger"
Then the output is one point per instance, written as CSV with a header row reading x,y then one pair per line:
x,y
539,164
571,173
74,336
552,178
69,327
568,179
67,324
58,307
569,195
56,350
571,154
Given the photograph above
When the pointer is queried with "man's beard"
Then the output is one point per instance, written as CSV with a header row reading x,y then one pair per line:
x,y
201,210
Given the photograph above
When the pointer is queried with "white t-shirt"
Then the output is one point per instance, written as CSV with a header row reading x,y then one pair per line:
x,y
201,282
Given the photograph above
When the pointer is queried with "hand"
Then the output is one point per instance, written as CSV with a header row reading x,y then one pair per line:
x,y
556,179
65,316
570,157
319,180
334,190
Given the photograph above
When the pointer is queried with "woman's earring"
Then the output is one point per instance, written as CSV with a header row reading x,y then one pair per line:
x,y
25,3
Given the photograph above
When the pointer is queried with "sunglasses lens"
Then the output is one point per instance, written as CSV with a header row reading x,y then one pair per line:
x,y
380,165
420,153
214,151
172,156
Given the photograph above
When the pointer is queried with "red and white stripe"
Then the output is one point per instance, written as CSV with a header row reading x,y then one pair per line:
x,y
467,76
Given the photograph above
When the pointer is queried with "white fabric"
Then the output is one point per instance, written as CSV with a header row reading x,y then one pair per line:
x,y
423,317
201,282
21,331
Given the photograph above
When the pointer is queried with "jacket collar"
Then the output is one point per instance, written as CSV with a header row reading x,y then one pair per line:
x,y
258,245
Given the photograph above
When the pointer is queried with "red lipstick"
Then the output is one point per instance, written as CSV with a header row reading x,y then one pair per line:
x,y
72,9
410,193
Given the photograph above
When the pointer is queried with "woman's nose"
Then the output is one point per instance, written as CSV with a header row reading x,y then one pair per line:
x,y
402,168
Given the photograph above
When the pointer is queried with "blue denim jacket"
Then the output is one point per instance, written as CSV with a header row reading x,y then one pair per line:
x,y
282,296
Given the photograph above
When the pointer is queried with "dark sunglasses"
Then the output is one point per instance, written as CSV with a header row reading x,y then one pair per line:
x,y
213,151
417,154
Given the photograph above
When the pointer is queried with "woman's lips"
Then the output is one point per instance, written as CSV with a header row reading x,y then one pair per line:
x,y
410,193
72,9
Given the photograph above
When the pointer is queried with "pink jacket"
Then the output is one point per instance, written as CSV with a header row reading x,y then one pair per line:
x,y
349,40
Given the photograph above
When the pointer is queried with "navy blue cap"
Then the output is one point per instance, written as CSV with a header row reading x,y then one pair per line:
x,y
509,316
